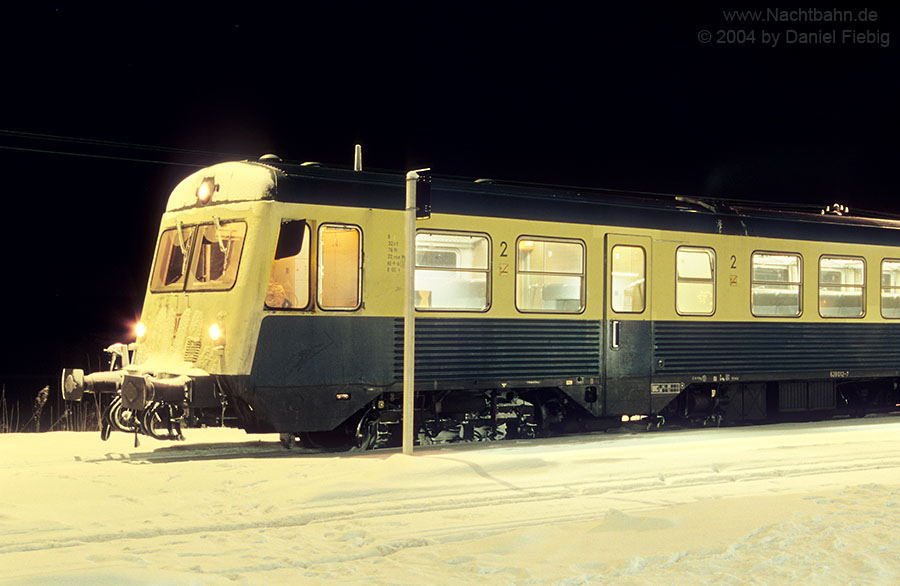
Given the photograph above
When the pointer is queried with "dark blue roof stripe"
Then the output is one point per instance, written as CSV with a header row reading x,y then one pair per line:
x,y
320,185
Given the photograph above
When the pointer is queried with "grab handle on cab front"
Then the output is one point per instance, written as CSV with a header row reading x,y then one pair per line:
x,y
614,333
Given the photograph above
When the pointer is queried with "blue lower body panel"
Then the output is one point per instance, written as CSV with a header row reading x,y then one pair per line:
x,y
311,373
691,351
304,362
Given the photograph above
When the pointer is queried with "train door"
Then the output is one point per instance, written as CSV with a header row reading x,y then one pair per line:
x,y
627,352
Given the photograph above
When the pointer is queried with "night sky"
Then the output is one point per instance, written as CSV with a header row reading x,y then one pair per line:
x,y
626,97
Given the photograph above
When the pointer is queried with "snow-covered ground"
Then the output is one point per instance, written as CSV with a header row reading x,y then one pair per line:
x,y
810,503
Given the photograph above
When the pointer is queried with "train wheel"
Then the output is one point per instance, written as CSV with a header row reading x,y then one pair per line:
x,y
120,418
367,430
162,421
551,414
155,421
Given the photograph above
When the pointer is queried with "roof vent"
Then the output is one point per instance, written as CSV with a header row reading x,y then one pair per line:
x,y
836,209
270,157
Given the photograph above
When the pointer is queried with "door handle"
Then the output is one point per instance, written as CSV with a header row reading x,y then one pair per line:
x,y
614,333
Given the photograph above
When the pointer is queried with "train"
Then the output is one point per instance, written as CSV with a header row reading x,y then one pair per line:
x,y
276,299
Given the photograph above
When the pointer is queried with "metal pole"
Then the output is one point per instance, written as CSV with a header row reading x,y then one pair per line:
x,y
409,314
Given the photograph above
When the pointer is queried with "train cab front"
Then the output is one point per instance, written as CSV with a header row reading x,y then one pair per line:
x,y
195,323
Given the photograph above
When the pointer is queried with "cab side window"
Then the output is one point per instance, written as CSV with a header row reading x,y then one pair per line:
x,y
289,278
340,266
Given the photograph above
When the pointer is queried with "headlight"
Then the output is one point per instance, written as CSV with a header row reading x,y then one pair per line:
x,y
206,189
140,329
215,332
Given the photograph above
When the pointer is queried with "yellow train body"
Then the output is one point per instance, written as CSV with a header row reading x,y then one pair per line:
x,y
281,288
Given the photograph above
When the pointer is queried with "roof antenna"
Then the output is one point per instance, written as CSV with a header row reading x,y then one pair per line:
x,y
357,158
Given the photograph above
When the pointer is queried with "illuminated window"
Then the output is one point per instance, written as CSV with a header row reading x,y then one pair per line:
x,y
629,283
842,286
775,284
216,255
452,271
695,282
340,266
172,254
890,288
549,275
289,278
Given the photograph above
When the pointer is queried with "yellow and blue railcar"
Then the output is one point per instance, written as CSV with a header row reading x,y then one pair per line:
x,y
277,292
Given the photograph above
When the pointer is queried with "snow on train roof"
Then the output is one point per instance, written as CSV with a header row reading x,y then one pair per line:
x,y
230,182
255,181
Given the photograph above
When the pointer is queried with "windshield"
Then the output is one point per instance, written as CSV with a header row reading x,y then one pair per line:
x,y
171,259
198,258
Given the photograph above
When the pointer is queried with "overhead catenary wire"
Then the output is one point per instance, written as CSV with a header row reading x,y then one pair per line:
x,y
574,189
224,155
112,143
96,156
32,142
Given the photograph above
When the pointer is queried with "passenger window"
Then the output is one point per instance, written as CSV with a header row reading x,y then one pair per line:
x,y
890,288
289,278
216,255
549,275
340,266
452,271
695,282
842,286
171,259
776,283
629,284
